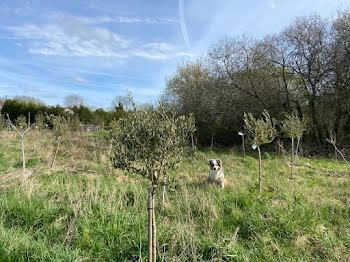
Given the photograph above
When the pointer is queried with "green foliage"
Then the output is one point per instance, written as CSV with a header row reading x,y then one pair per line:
x,y
21,122
150,142
59,124
74,124
261,131
2,122
40,120
293,126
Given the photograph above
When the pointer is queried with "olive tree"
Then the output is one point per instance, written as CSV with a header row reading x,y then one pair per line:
x,y
260,131
293,127
40,121
150,143
60,126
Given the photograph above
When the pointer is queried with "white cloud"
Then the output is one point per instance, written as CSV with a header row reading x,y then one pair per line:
x,y
80,80
160,51
127,20
70,38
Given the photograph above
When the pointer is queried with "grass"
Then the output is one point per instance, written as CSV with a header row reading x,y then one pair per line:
x,y
83,210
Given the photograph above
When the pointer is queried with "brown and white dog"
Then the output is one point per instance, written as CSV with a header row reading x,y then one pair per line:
x,y
216,175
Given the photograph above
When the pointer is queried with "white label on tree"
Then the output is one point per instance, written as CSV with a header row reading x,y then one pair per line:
x,y
254,146
240,133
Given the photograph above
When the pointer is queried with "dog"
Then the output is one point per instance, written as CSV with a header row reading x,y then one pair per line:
x,y
216,175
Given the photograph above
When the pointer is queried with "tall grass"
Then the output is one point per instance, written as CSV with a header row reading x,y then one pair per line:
x,y
85,211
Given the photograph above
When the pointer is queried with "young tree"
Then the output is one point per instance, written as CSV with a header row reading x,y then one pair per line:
x,y
60,126
261,131
40,121
22,142
293,127
149,143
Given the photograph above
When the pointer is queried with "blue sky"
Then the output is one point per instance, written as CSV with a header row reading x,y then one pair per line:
x,y
98,49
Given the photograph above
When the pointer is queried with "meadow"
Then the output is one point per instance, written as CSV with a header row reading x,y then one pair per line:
x,y
85,210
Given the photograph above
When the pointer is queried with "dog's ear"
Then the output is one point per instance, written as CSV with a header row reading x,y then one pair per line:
x,y
218,161
210,162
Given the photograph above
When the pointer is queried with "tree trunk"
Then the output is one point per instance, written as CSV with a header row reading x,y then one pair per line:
x,y
150,223
292,160
56,151
259,169
212,142
23,157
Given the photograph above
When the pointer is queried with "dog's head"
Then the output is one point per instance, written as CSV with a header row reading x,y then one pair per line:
x,y
215,164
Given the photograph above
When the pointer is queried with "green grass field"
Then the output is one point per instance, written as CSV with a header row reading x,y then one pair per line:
x,y
83,210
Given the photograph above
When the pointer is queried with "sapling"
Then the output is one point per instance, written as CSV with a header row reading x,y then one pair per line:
x,y
261,131
332,141
293,127
40,121
22,135
60,126
150,143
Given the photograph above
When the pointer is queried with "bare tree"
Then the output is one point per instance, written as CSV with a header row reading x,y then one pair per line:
x,y
73,100
308,39
22,135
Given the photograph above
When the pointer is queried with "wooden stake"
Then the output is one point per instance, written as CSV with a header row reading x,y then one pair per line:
x,y
150,222
259,169
292,160
154,230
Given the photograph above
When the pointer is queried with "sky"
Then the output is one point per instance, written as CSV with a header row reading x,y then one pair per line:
x,y
99,49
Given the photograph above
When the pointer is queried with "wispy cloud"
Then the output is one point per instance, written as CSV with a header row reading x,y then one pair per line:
x,y
127,20
80,80
160,51
183,23
70,38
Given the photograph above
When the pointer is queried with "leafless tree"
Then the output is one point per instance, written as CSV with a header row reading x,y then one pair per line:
x,y
73,100
22,135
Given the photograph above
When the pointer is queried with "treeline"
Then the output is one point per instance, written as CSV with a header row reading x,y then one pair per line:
x,y
17,108
304,69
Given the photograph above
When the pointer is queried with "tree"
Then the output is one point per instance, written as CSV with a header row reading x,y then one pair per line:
x,y
60,126
308,39
40,121
73,100
293,127
149,143
22,135
261,131
121,103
